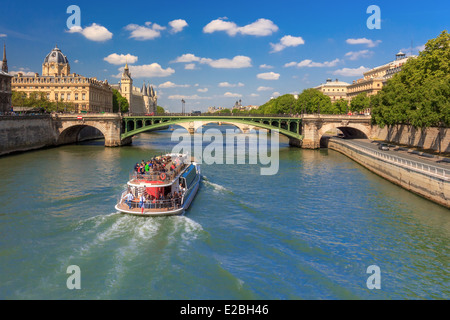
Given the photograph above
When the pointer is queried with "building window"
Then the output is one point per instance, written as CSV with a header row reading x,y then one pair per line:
x,y
76,96
68,96
83,96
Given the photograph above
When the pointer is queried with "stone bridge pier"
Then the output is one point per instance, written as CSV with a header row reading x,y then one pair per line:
x,y
68,127
316,126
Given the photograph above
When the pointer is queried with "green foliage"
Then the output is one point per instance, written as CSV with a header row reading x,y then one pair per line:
x,y
313,101
160,110
360,103
419,95
341,106
39,102
119,101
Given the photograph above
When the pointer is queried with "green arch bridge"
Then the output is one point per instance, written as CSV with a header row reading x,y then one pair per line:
x,y
290,127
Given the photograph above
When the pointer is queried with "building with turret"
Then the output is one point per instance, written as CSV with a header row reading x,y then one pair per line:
x,y
376,78
142,100
60,85
5,85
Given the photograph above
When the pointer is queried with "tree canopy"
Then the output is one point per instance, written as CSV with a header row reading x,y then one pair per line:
x,y
419,95
119,101
39,102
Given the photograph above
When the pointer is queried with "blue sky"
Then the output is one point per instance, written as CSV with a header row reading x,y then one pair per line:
x,y
213,53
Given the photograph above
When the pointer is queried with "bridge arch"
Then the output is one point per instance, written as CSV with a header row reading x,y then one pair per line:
x,y
192,124
73,133
350,131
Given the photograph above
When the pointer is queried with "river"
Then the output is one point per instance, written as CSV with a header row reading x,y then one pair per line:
x,y
309,232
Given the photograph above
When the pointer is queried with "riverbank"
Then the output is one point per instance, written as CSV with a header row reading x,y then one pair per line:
x,y
424,179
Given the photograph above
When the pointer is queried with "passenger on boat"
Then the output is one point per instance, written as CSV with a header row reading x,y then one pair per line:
x,y
129,198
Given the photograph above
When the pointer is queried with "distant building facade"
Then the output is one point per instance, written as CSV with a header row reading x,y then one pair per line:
x,y
336,90
5,85
144,100
375,78
59,85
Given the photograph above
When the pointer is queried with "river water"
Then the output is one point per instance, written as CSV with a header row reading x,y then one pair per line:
x,y
309,232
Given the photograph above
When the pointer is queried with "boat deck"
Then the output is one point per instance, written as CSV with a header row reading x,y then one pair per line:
x,y
153,211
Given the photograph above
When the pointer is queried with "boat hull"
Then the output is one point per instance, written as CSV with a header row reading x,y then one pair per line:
x,y
122,208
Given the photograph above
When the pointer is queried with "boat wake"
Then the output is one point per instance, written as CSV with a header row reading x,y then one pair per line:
x,y
215,186
116,243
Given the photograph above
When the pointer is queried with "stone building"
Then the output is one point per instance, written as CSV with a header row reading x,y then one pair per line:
x,y
5,85
59,85
336,90
375,78
142,100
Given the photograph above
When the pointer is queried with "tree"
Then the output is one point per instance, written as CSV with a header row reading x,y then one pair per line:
x,y
160,110
119,102
360,103
419,95
313,101
340,106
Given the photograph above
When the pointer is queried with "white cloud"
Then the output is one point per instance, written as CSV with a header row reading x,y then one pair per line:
x,y
155,26
94,32
348,72
188,57
76,61
368,42
178,25
235,63
232,95
287,41
355,55
230,85
2,35
192,97
24,73
269,76
170,84
204,90
147,71
276,94
119,59
144,33
254,95
264,89
265,66
190,66
261,27
310,64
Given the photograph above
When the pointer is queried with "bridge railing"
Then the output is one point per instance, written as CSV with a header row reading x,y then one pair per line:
x,y
228,115
407,163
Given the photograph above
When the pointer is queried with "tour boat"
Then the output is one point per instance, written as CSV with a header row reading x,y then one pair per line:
x,y
167,190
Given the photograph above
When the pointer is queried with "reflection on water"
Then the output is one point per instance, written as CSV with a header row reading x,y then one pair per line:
x,y
310,232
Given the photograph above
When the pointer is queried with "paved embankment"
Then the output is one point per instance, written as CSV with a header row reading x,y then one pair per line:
x,y
427,178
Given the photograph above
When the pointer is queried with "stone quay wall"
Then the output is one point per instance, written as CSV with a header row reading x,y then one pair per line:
x,y
26,133
427,181
436,139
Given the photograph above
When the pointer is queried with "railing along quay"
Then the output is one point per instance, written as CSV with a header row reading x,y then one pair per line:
x,y
438,172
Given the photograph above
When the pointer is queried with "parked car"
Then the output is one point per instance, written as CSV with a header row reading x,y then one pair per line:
x,y
383,147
